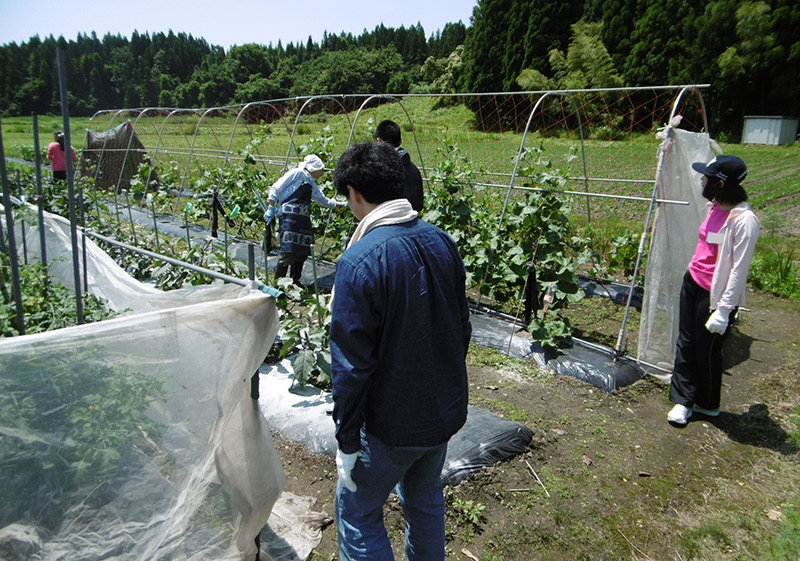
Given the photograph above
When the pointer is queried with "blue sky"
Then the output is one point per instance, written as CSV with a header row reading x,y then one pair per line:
x,y
224,22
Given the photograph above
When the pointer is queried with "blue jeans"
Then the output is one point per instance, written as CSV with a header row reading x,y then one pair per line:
x,y
416,474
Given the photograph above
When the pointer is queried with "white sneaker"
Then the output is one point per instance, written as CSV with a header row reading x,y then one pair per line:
x,y
679,415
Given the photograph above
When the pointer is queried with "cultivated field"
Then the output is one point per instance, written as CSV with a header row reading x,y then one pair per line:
x,y
605,477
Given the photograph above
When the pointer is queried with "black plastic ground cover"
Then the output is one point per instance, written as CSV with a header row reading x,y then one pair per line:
x,y
616,291
483,440
590,363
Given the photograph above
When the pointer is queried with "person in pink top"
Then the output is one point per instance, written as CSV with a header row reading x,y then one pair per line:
x,y
713,289
58,156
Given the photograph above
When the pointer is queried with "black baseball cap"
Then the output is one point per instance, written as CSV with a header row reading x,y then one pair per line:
x,y
725,166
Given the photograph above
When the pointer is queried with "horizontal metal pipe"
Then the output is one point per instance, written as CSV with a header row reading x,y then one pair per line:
x,y
574,178
581,193
214,274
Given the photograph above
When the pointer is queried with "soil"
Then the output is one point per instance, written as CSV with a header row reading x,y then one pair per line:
x,y
606,477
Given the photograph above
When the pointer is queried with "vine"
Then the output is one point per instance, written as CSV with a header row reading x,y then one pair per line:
x,y
305,334
535,234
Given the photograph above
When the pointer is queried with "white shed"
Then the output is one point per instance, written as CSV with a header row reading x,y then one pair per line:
x,y
769,130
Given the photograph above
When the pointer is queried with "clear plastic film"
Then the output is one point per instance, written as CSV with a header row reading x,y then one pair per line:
x,y
672,244
137,437
105,278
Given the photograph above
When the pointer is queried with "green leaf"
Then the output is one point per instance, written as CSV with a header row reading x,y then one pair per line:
x,y
305,363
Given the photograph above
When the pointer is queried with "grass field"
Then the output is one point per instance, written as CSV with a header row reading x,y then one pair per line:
x,y
774,180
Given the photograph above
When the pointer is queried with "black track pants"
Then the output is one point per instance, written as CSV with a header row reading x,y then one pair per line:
x,y
292,263
697,373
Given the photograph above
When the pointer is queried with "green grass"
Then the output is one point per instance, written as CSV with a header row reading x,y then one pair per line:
x,y
502,408
773,181
775,267
785,546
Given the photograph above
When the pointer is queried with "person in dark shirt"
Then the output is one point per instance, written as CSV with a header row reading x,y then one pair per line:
x,y
400,331
389,132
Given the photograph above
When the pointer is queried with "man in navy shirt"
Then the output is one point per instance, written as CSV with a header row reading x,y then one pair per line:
x,y
400,331
389,132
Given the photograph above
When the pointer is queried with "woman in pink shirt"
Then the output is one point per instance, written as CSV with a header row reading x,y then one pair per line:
x,y
57,155
713,289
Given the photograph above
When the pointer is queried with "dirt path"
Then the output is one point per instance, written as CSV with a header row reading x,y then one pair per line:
x,y
606,477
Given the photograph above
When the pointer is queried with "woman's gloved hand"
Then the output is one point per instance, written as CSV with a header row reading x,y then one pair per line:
x,y
718,322
344,467
270,214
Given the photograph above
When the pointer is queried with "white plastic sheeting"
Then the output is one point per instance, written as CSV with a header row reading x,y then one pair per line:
x,y
673,241
136,437
108,280
302,414
189,472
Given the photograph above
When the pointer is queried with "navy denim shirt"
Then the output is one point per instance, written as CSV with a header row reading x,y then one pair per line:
x,y
399,336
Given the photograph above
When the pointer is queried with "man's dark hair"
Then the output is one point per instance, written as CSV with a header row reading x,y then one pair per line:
x,y
389,131
373,169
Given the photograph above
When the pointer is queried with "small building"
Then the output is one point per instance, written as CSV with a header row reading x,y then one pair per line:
x,y
769,130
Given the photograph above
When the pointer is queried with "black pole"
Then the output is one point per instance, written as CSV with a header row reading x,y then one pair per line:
x,y
73,221
39,198
186,223
267,245
12,244
2,234
128,196
254,386
214,218
251,262
155,219
84,251
531,294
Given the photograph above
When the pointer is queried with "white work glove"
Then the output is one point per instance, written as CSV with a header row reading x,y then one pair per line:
x,y
341,204
270,214
344,467
718,322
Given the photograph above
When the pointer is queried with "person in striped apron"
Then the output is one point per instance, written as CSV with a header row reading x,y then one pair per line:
x,y
290,198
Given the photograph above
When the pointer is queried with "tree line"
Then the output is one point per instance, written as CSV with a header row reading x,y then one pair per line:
x,y
179,70
749,51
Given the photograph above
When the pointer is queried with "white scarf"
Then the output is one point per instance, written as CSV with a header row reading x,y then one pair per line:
x,y
395,211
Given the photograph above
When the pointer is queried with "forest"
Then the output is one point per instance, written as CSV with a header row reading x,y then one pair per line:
x,y
748,51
